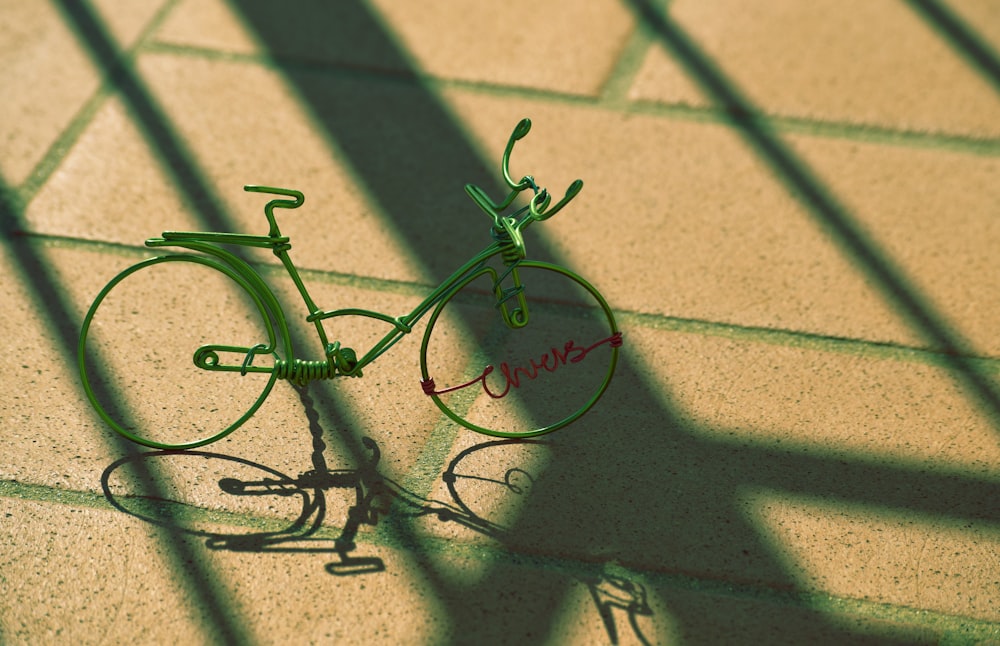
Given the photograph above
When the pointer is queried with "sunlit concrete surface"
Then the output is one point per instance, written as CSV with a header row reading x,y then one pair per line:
x,y
792,209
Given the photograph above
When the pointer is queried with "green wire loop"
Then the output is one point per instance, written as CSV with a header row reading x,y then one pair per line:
x,y
520,130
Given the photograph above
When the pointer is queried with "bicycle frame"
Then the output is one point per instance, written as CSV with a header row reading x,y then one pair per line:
x,y
343,361
340,360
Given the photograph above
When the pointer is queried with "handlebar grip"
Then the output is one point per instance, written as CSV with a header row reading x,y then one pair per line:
x,y
542,214
573,189
521,129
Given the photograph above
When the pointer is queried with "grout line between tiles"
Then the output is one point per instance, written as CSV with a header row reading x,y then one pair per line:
x,y
613,98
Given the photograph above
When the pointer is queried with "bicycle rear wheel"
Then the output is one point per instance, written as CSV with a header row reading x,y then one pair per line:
x,y
509,381
138,349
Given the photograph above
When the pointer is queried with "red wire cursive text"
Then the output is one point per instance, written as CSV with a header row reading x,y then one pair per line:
x,y
549,362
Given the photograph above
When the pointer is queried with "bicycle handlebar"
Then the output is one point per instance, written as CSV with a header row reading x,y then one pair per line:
x,y
539,205
540,213
280,204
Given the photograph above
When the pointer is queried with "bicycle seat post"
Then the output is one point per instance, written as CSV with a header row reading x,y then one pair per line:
x,y
295,203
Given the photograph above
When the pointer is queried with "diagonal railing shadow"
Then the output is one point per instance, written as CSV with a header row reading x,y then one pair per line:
x,y
119,76
372,118
189,566
896,288
976,50
35,274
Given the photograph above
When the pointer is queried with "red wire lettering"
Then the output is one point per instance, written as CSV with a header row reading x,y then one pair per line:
x,y
549,362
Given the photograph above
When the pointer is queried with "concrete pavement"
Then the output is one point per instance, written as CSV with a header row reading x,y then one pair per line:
x,y
791,208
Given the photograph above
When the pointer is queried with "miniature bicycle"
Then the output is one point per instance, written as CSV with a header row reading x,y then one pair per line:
x,y
512,347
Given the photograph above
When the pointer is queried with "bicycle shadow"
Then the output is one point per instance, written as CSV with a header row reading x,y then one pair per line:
x,y
192,508
375,497
299,532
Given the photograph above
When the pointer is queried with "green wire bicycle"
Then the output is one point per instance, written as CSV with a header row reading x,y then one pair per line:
x,y
512,347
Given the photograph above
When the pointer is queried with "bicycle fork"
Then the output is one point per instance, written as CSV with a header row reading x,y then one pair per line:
x,y
511,301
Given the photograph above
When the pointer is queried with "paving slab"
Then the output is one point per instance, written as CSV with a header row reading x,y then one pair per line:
x,y
42,386
53,74
925,213
525,45
879,64
86,575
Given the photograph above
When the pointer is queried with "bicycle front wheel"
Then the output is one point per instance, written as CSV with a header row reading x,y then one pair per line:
x,y
517,375
150,352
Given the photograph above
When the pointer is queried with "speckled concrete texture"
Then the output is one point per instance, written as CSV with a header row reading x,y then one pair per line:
x,y
790,207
